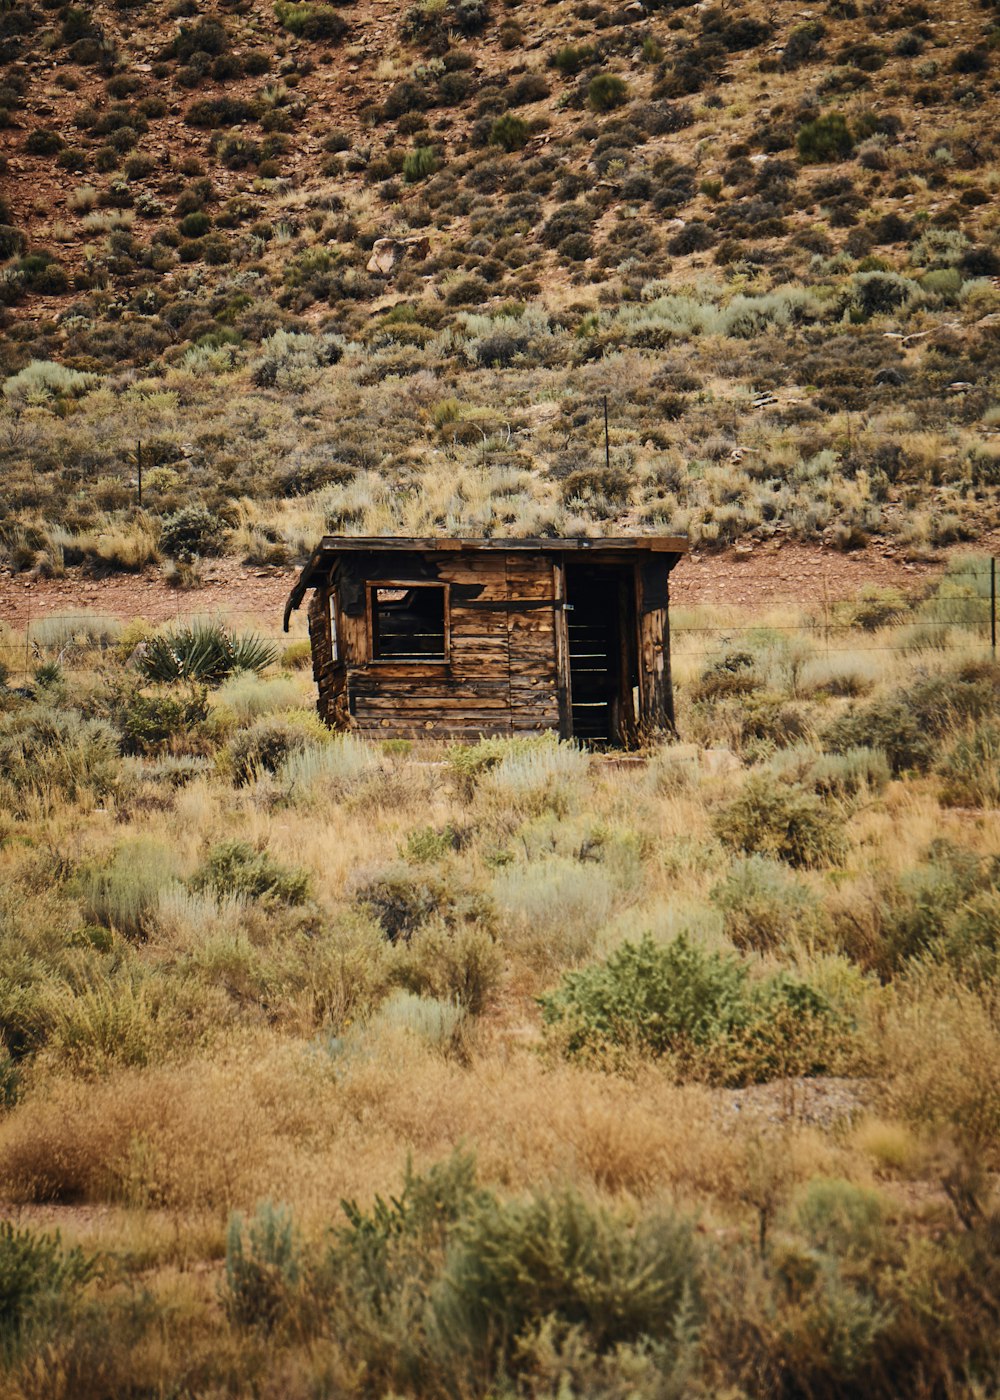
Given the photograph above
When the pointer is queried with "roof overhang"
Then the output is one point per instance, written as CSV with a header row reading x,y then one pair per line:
x,y
330,546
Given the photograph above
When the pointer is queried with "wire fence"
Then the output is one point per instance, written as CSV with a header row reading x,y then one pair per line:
x,y
961,612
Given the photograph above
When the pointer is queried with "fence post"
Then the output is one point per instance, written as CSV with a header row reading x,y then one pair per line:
x,y
993,606
138,462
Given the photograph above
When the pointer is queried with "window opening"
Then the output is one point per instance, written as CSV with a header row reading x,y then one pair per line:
x,y
409,621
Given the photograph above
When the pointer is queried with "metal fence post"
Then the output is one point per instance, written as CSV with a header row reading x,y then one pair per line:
x,y
993,606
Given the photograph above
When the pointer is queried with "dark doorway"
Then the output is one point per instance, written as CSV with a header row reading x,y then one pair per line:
x,y
602,653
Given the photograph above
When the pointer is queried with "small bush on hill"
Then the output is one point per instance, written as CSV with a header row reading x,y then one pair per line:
x,y
826,139
311,21
190,533
509,132
419,164
606,92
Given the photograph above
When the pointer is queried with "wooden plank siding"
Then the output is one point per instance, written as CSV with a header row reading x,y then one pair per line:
x,y
501,674
508,667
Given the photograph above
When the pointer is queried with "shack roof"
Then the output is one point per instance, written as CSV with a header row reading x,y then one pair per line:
x,y
332,545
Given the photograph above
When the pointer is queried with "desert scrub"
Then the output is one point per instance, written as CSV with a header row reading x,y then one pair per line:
x,y
970,770
49,756
39,1281
828,138
190,533
701,1012
123,893
328,770
458,1281
784,821
944,910
266,746
550,911
263,1266
236,869
764,905
153,723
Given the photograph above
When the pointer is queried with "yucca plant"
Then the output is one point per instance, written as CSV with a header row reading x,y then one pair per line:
x,y
204,652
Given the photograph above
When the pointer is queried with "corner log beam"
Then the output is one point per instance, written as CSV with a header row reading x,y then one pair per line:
x,y
656,692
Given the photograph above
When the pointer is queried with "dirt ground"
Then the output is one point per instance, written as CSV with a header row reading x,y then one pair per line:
x,y
763,577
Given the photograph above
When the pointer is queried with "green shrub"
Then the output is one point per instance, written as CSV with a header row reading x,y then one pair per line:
x,y
459,966
297,655
263,1266
784,821
220,112
205,652
38,1279
828,138
42,142
48,754
239,870
557,1260
445,1278
122,894
311,21
887,724
606,92
840,1218
764,905
849,774
150,723
195,224
45,379
946,910
419,164
330,769
190,533
572,57
971,770
265,747
509,132
700,1011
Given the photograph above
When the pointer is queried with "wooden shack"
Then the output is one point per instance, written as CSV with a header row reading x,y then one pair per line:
x,y
457,638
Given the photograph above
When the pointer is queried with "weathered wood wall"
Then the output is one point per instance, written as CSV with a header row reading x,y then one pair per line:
x,y
501,676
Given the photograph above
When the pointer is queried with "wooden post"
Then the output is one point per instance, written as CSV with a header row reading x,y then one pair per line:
x,y
656,696
138,460
993,606
562,649
607,436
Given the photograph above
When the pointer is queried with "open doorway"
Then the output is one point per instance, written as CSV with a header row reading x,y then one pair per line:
x,y
603,669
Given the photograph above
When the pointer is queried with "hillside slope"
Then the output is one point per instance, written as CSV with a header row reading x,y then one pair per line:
x,y
769,235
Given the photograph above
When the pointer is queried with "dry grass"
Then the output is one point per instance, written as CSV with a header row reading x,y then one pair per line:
x,y
178,1055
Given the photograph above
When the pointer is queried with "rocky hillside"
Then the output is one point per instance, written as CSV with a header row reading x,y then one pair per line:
x,y
366,266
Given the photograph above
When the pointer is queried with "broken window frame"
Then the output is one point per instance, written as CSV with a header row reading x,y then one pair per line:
x,y
440,658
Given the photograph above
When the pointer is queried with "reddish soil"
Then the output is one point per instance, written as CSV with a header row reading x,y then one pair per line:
x,y
766,576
